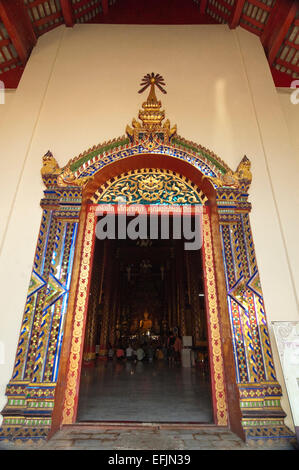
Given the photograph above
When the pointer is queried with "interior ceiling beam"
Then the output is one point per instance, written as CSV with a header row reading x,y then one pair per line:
x,y
278,24
236,13
68,13
14,15
105,6
203,6
19,27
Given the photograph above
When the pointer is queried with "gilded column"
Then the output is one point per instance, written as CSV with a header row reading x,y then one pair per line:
x,y
260,393
30,392
89,354
108,281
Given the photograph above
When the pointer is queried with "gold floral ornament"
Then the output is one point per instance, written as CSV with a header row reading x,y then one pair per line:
x,y
149,186
62,177
151,130
241,177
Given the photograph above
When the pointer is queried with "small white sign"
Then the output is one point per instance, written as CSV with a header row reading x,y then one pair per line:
x,y
287,340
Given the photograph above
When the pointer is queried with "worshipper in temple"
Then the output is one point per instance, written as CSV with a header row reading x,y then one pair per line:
x,y
178,350
140,353
159,354
134,353
164,349
120,353
150,353
170,348
129,353
110,351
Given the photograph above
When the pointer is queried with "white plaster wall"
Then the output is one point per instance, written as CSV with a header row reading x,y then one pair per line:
x,y
80,89
288,99
6,98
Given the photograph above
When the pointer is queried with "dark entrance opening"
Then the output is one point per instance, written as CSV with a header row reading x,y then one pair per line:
x,y
141,291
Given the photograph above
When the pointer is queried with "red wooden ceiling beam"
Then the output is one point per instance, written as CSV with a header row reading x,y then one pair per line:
x,y
4,42
12,78
261,5
48,19
7,64
236,13
253,21
105,6
19,27
277,26
281,79
223,15
203,6
288,65
68,13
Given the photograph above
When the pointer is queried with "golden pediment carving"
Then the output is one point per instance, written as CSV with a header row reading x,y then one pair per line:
x,y
242,176
151,129
52,174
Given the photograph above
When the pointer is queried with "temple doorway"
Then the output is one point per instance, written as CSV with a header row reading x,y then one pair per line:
x,y
141,292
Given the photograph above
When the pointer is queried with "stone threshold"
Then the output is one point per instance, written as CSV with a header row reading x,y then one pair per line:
x,y
131,425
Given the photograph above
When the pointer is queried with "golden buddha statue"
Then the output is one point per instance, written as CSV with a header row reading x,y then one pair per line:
x,y
146,323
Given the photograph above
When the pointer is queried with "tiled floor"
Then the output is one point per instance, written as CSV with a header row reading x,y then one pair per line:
x,y
144,392
150,393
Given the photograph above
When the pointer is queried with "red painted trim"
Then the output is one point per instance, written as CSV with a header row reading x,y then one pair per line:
x,y
281,80
223,3
237,12
79,14
18,26
105,6
249,28
67,12
203,6
208,316
143,209
88,214
218,12
276,29
170,12
136,162
277,40
4,42
261,5
207,313
9,63
253,21
48,19
292,44
287,65
35,3
12,78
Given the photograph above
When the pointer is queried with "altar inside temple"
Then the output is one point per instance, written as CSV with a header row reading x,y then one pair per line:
x,y
142,291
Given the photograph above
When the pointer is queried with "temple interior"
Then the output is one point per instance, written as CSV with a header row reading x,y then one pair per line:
x,y
152,288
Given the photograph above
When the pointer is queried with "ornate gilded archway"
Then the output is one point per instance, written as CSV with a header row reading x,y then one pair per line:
x,y
157,165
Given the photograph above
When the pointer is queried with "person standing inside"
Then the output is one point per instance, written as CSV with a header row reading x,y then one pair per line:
x,y
129,353
178,350
170,348
140,354
120,354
